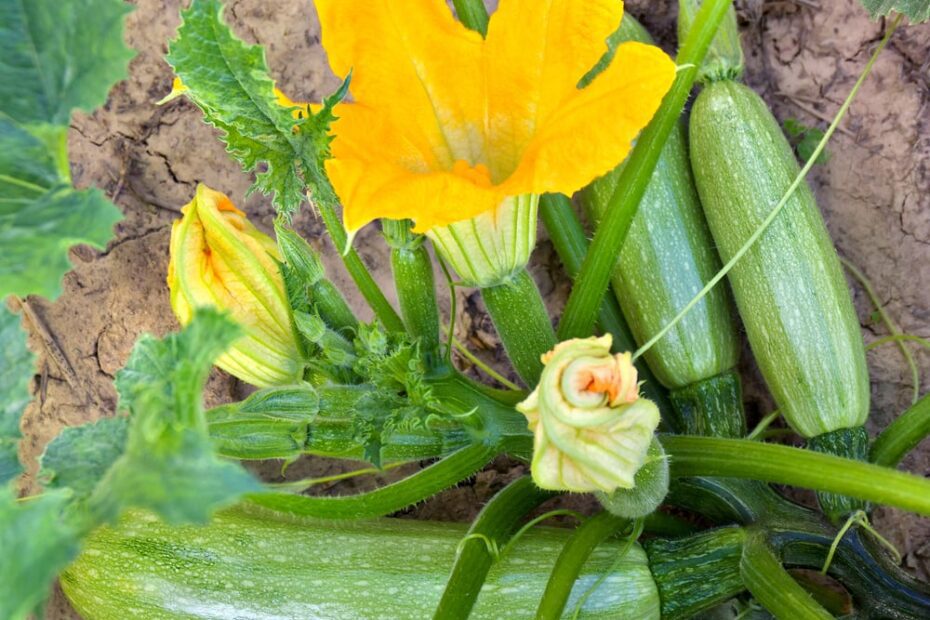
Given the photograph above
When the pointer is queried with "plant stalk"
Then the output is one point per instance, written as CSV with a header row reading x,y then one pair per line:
x,y
522,322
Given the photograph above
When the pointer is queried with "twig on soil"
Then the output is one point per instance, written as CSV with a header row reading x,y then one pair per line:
x,y
796,100
52,350
808,3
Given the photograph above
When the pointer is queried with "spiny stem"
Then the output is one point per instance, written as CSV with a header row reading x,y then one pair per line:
x,y
363,280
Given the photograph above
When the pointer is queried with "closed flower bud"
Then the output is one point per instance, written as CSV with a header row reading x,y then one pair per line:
x,y
219,259
591,430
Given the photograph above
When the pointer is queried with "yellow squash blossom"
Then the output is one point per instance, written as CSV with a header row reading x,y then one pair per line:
x,y
461,133
591,429
219,259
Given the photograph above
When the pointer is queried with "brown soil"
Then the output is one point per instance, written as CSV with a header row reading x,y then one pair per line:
x,y
805,56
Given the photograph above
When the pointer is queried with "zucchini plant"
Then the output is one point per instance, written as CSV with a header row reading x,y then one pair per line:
x,y
149,513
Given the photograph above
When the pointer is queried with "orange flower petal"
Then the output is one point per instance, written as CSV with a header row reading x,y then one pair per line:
x,y
536,52
594,128
418,64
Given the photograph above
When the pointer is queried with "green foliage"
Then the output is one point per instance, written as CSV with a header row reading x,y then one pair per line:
x,y
169,465
916,10
230,83
805,140
16,371
35,544
80,456
56,56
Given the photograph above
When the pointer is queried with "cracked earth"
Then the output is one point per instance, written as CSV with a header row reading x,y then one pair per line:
x,y
803,56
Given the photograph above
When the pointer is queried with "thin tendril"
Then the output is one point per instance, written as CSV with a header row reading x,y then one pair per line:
x,y
862,520
306,483
890,323
485,368
534,522
898,338
637,531
492,546
452,307
781,203
763,424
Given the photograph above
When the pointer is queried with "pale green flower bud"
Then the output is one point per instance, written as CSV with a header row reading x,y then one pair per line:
x,y
219,259
489,248
591,430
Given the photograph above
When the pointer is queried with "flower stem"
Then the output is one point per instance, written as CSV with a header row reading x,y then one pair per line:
x,y
902,435
573,556
357,269
520,316
773,587
583,304
571,244
755,460
496,523
415,284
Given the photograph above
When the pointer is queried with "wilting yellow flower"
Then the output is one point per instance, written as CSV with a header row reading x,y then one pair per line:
x,y
447,126
218,258
591,430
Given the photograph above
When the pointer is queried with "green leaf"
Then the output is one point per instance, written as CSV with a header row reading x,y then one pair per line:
x,y
56,56
35,544
916,10
16,370
229,81
81,455
169,465
36,234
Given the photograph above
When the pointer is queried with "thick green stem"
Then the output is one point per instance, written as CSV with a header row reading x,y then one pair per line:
x,y
520,316
712,407
494,525
571,244
357,269
902,435
773,587
583,304
415,284
574,554
695,573
755,460
391,498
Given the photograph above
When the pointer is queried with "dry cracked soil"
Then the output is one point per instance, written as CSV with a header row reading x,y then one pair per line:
x,y
803,56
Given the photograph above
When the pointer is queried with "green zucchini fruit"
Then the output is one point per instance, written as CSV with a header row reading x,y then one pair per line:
x,y
667,258
789,287
253,564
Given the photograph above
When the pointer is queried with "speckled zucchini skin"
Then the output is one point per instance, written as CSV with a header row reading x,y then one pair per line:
x,y
255,565
666,259
789,287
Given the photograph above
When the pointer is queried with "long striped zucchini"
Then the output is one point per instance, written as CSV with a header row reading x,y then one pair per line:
x,y
248,563
789,287
667,258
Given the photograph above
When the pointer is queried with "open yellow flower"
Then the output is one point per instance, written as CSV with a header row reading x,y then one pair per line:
x,y
447,126
218,258
591,430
